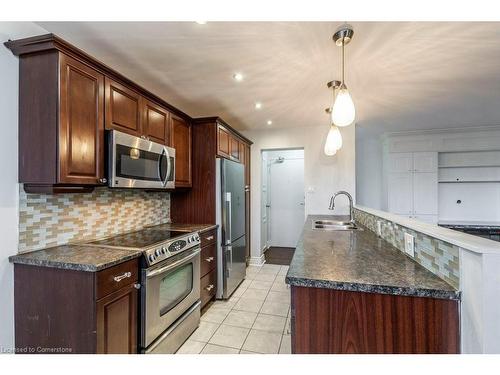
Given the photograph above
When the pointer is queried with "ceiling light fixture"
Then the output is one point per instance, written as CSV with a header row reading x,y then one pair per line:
x,y
343,111
238,77
258,105
333,141
269,122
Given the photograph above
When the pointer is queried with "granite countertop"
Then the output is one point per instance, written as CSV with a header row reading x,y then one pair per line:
x,y
76,257
92,258
470,224
186,227
358,260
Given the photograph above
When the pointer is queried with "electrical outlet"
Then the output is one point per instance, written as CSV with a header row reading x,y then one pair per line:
x,y
379,228
409,245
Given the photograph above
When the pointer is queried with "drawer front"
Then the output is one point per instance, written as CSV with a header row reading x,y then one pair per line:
x,y
208,259
208,237
114,278
208,287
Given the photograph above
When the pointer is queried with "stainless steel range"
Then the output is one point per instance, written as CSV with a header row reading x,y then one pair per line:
x,y
170,285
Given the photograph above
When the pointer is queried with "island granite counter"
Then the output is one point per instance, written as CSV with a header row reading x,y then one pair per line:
x,y
353,292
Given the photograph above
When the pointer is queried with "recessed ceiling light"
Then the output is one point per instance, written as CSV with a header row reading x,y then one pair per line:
x,y
258,105
238,77
201,22
269,122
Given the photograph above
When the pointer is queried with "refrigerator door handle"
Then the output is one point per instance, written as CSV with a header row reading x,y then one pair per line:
x,y
229,263
228,219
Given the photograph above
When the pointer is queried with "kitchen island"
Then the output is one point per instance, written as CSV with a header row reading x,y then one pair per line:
x,y
353,292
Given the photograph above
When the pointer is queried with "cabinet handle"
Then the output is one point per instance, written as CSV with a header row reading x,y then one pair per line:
x,y
209,259
103,180
121,277
137,286
209,288
209,238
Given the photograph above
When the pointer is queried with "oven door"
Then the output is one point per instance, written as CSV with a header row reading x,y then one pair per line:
x,y
168,291
139,163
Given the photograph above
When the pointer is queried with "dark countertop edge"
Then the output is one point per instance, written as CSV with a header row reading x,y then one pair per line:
x,y
372,288
20,259
214,226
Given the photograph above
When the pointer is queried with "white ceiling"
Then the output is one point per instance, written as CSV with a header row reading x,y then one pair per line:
x,y
402,76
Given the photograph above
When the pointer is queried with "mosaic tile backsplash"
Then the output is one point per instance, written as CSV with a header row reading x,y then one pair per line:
x,y
50,220
439,257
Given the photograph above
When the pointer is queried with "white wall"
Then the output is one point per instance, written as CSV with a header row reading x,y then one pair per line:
x,y
8,187
369,176
323,175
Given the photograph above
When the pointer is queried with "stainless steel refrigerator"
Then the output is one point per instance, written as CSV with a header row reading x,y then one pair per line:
x,y
230,215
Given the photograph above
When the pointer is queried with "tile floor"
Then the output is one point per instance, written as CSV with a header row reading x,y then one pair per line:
x,y
256,319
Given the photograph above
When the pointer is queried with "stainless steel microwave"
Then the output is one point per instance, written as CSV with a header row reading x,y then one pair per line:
x,y
136,162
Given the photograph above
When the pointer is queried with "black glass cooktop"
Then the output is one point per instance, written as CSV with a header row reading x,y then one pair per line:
x,y
140,239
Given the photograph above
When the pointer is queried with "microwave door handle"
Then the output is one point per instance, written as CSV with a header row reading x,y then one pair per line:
x,y
169,167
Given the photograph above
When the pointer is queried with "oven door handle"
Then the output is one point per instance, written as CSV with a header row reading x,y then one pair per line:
x,y
173,265
169,166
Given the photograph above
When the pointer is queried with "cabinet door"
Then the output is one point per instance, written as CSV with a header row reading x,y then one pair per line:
x,y
180,134
123,108
235,148
400,162
223,146
425,161
81,123
155,125
117,322
400,194
425,193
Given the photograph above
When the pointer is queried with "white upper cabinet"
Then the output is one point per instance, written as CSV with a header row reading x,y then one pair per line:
x,y
425,161
400,188
401,162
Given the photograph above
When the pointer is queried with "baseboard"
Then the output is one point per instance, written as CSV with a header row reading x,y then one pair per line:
x,y
257,261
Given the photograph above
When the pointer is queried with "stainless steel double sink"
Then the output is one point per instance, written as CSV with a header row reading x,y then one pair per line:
x,y
334,225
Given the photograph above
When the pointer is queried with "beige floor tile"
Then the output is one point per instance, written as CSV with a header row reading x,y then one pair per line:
x,y
217,349
215,314
225,304
255,294
262,342
280,287
245,283
254,269
204,332
283,270
288,328
271,267
229,336
283,297
265,276
269,323
248,304
239,318
191,347
286,345
247,352
280,279
269,271
262,285
275,308
238,292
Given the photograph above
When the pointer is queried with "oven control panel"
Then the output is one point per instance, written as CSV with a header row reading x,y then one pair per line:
x,y
172,247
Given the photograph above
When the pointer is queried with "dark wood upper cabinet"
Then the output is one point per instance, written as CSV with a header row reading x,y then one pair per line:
x,y
235,148
156,122
123,108
67,99
81,123
180,135
223,142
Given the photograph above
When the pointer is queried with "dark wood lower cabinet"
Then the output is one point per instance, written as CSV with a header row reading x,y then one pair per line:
x,y
208,266
344,322
67,311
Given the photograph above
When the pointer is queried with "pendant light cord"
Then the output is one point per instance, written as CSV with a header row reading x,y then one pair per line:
x,y
343,59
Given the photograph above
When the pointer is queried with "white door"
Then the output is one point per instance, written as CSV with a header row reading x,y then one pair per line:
x,y
264,210
425,193
400,193
400,162
425,161
286,185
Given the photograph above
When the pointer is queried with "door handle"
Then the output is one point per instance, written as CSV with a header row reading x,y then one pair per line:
x,y
228,219
121,277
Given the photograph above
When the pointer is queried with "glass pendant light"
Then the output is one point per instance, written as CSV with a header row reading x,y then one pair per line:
x,y
343,111
333,141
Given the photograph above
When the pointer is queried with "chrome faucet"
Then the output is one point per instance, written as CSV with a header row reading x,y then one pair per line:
x,y
351,206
